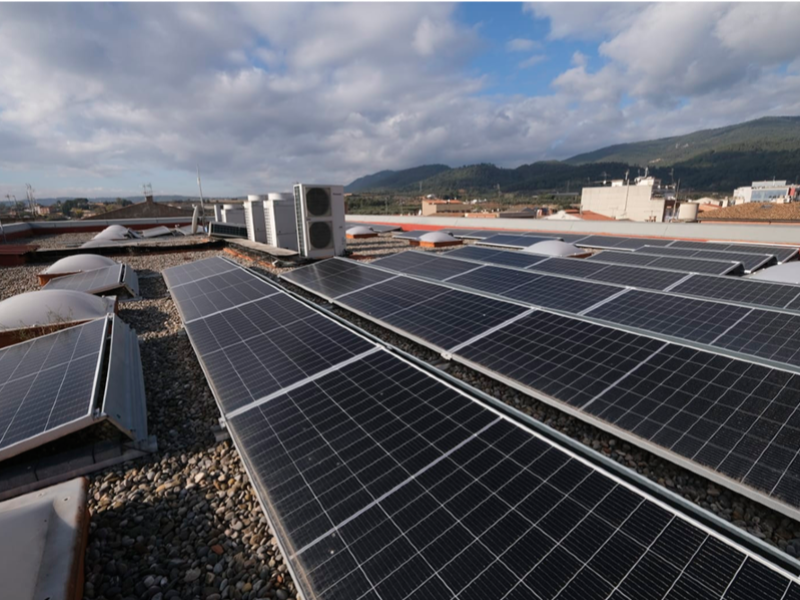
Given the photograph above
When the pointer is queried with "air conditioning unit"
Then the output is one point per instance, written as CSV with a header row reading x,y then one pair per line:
x,y
254,219
280,221
227,230
320,220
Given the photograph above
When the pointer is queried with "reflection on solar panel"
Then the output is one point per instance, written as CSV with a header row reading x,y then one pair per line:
x,y
782,253
477,234
684,318
515,241
749,261
96,281
735,418
657,279
609,241
745,291
425,265
499,257
383,482
49,383
324,278
686,265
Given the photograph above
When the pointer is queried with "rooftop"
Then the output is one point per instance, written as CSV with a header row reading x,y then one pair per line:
x,y
187,518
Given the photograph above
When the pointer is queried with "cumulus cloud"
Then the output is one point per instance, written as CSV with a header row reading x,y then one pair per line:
x,y
532,61
521,45
261,95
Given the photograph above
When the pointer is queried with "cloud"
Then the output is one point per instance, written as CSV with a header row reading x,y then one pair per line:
x,y
262,95
522,45
532,61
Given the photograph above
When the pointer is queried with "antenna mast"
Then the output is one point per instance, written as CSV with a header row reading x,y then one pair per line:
x,y
202,202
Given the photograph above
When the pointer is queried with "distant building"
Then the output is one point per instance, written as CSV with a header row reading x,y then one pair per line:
x,y
646,199
144,210
43,211
767,191
432,208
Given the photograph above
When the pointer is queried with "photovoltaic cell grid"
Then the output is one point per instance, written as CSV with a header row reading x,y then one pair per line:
x,y
197,299
782,253
91,282
736,418
499,257
684,264
439,316
749,261
388,484
694,320
48,382
197,270
746,291
425,265
327,278
650,278
384,482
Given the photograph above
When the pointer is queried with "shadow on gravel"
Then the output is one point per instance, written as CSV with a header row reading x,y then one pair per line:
x,y
144,319
181,540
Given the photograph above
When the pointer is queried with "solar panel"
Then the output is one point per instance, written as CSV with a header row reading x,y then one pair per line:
x,y
684,264
498,257
568,266
422,265
641,277
248,355
749,261
436,315
477,234
385,483
472,253
226,230
131,279
696,320
197,270
734,418
94,281
559,293
782,253
515,241
48,383
494,280
197,299
325,278
745,291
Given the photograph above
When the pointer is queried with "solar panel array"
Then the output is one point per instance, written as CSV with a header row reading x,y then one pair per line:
x,y
95,281
610,241
48,383
733,289
687,265
750,261
579,362
383,482
782,253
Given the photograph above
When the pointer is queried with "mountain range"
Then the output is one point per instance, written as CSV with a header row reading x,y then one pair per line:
x,y
709,160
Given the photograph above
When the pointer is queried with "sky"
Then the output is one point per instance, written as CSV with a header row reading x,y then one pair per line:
x,y
97,99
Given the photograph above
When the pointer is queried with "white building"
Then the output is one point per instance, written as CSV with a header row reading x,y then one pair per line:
x,y
643,200
766,191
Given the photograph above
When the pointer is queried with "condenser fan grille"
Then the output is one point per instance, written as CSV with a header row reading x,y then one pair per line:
x,y
318,202
320,235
